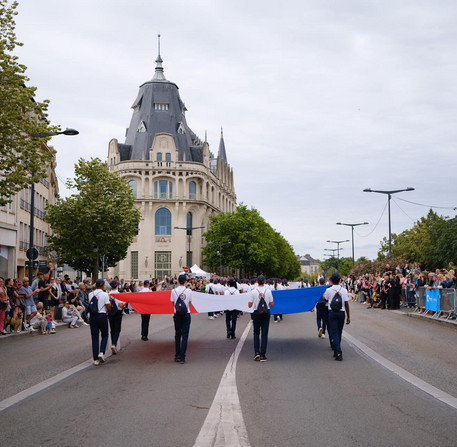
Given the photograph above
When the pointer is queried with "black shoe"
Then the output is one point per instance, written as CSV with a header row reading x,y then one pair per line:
x,y
182,361
263,359
257,357
229,334
339,357
177,359
233,337
144,338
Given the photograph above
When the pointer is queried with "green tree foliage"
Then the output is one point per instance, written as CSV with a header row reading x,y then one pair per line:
x,y
330,265
97,221
249,244
22,162
431,242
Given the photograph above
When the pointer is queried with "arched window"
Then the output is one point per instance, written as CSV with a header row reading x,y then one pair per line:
x,y
168,156
163,189
163,222
189,224
159,156
132,184
192,190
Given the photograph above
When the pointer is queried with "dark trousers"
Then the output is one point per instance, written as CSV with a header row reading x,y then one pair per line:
x,y
322,316
261,324
230,321
182,327
98,323
335,329
145,324
115,322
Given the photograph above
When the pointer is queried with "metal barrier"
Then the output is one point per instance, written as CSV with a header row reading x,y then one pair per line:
x,y
447,303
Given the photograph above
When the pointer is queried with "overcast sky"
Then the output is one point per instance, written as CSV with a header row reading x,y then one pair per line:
x,y
318,99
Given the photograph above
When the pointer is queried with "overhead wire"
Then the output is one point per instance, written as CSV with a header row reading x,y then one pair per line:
x,y
377,223
429,206
402,210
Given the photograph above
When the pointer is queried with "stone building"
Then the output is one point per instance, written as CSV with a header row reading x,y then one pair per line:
x,y
15,226
308,264
176,180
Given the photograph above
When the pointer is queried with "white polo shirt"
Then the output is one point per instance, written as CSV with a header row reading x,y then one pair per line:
x,y
186,296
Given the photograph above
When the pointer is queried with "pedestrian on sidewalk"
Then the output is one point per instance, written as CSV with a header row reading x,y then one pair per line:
x,y
181,317
99,307
261,300
337,302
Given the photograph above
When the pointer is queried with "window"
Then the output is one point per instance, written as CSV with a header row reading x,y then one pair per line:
x,y
181,129
160,106
192,190
134,264
141,127
132,184
162,264
159,158
189,224
168,156
163,222
163,189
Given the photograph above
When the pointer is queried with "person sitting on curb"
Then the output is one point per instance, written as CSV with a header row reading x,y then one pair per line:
x,y
40,320
69,316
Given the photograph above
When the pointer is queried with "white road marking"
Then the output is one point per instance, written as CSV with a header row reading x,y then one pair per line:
x,y
405,375
224,425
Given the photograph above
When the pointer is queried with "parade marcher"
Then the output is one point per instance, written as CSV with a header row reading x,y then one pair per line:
x,y
115,316
231,315
99,306
145,318
261,300
337,302
181,299
321,313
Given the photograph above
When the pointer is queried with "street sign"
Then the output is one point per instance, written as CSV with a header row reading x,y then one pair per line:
x,y
186,269
32,253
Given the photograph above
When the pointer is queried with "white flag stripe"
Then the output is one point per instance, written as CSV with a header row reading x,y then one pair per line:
x,y
207,302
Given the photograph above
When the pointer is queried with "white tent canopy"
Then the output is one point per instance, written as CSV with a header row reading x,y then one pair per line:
x,y
197,271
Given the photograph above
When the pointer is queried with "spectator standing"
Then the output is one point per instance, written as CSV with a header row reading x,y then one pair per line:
x,y
336,316
99,321
181,321
261,318
43,294
30,308
4,303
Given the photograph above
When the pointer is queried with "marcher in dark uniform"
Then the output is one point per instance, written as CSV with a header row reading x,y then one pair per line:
x,y
321,313
231,315
182,322
99,321
145,318
115,316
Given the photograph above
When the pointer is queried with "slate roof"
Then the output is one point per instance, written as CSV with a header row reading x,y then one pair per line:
x,y
307,260
159,91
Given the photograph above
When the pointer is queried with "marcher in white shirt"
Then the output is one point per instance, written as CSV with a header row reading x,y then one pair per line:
x,y
99,321
231,315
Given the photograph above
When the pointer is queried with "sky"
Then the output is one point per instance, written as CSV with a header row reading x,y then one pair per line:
x,y
318,99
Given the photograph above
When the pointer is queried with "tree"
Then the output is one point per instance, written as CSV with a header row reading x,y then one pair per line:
x,y
21,117
245,242
100,220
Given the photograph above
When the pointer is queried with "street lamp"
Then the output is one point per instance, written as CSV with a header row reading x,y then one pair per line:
x,y
189,234
32,252
352,228
389,195
338,249
219,253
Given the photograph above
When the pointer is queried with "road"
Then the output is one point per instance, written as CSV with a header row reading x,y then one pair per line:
x,y
300,397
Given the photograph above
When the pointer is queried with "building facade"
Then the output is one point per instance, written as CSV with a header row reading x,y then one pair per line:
x,y
175,179
15,226
308,264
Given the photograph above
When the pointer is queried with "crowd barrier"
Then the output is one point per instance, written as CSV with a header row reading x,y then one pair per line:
x,y
441,303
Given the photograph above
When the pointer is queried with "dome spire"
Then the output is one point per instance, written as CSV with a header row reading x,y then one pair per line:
x,y
158,75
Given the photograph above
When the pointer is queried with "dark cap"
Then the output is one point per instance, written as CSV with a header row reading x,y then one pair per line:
x,y
113,284
261,279
182,279
145,282
335,278
100,282
321,281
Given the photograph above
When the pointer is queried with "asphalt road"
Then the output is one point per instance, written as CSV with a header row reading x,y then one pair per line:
x,y
300,397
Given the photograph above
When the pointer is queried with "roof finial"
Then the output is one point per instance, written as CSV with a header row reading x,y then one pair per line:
x,y
206,136
158,75
222,132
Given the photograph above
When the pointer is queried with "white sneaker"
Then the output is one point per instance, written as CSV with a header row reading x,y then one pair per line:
x,y
114,350
323,336
320,333
101,358
75,325
30,329
96,362
85,324
211,318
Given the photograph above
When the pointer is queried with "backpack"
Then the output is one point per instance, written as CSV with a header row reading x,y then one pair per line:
x,y
114,309
211,291
337,302
262,307
93,305
180,305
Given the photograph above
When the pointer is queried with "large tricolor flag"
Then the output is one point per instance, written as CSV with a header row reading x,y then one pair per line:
x,y
285,301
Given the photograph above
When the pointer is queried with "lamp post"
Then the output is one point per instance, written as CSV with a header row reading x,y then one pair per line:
x,y
32,252
389,195
352,228
338,249
189,234
219,253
